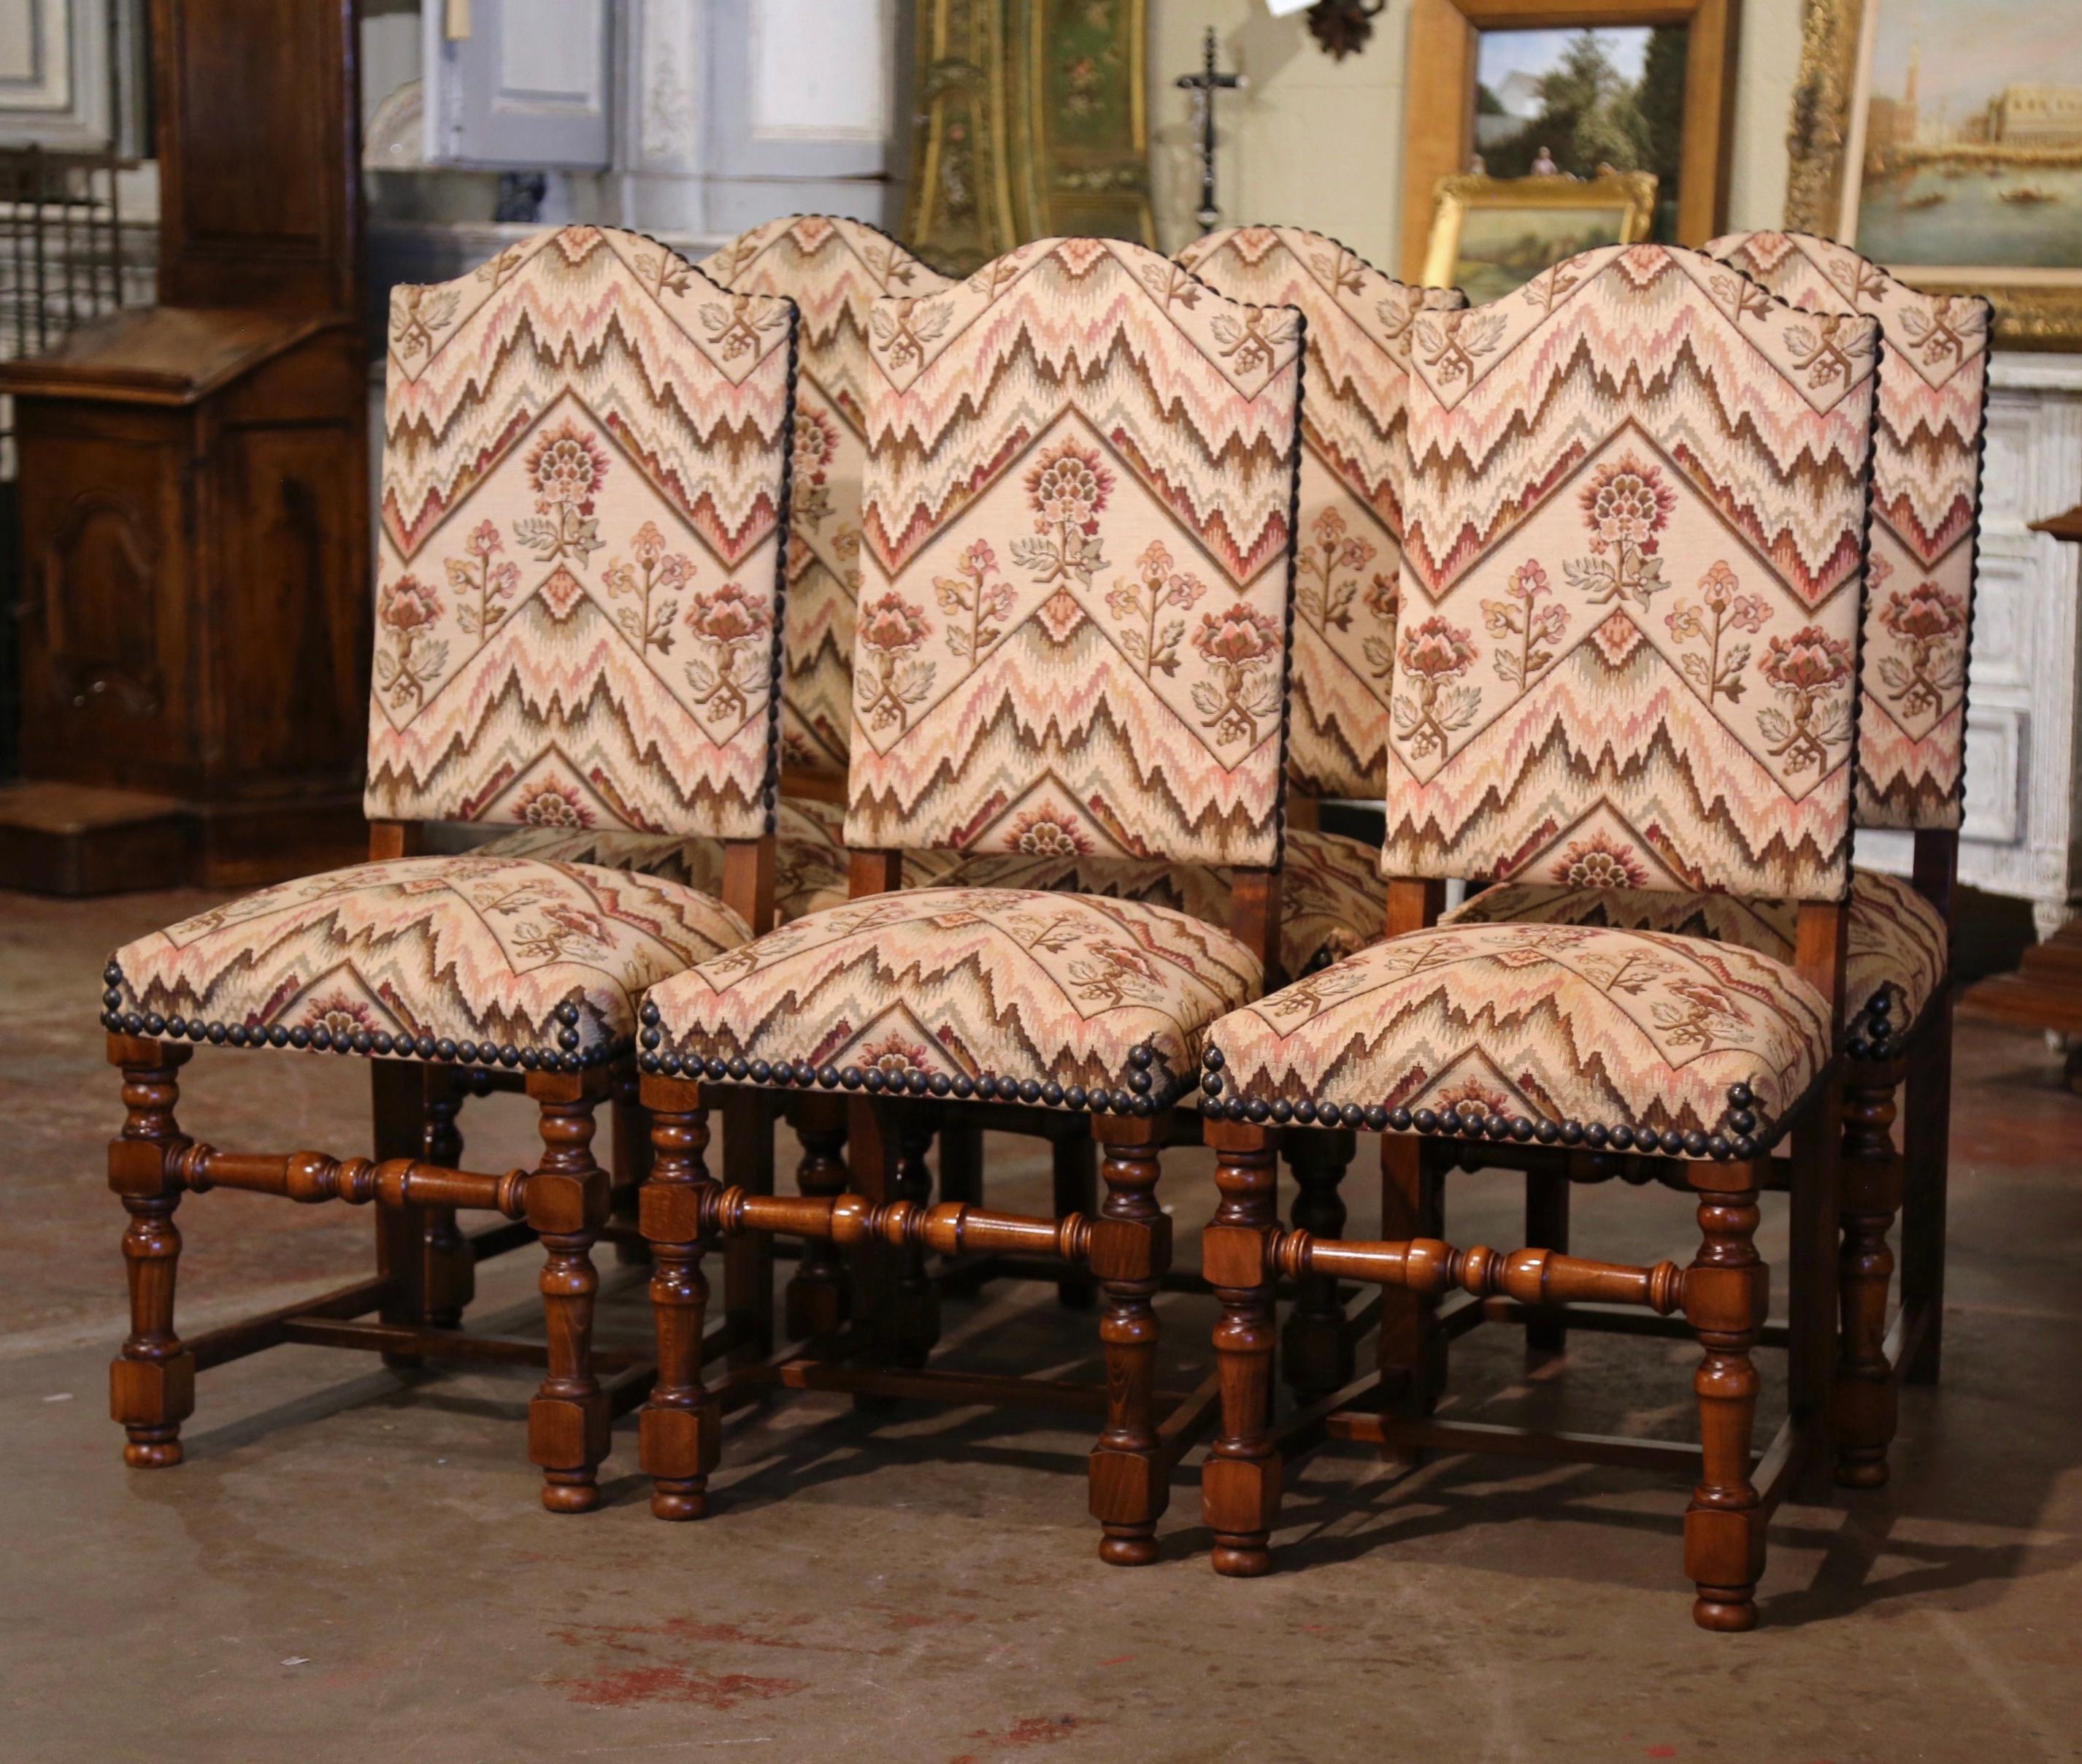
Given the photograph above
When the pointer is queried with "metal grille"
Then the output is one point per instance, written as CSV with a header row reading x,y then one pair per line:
x,y
60,245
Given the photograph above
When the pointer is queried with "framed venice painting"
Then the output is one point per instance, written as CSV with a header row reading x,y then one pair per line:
x,y
1945,140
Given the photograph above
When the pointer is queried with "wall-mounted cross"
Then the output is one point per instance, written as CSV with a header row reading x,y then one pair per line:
x,y
1203,85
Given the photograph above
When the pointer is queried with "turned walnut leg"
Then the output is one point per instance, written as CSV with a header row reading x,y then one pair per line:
x,y
914,1300
567,1206
1239,1483
680,1425
1547,1228
450,1282
1074,1162
1129,1249
1926,1143
1864,1405
818,1295
151,1382
1316,1353
628,1157
1727,1295
1413,1347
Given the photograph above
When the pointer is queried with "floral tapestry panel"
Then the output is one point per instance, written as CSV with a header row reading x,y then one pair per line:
x,y
1077,561
833,269
1934,394
1348,549
579,587
1633,567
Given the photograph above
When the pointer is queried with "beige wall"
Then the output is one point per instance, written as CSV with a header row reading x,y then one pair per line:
x,y
1317,143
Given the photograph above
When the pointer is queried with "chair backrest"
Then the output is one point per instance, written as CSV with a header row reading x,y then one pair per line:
x,y
1077,555
1934,394
833,269
1348,544
1633,556
579,575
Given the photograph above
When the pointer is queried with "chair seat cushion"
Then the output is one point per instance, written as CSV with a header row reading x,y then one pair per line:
x,y
1898,940
485,959
809,855
1330,896
1004,993
1578,1029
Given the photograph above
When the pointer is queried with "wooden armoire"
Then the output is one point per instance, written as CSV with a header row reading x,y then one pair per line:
x,y
194,485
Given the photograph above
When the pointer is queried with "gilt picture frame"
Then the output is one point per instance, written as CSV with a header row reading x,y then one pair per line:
x,y
1491,235
1840,138
1439,116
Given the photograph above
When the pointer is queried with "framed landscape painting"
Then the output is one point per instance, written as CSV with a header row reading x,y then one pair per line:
x,y
1570,88
1489,236
1945,142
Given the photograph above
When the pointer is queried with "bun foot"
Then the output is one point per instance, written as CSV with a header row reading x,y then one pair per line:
x,y
1728,1609
1242,1561
570,1496
678,1504
152,1455
1128,1549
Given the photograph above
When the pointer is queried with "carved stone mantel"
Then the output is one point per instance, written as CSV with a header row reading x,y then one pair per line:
x,y
2022,834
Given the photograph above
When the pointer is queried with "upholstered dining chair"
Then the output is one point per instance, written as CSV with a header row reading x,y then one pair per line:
x,y
1589,457
1910,774
1037,437
578,599
833,268
1348,550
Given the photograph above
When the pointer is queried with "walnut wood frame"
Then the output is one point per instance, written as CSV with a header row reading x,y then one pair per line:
x,y
1438,133
425,1264
1723,1296
870,1329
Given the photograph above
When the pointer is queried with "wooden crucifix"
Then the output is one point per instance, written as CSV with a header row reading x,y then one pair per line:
x,y
1203,85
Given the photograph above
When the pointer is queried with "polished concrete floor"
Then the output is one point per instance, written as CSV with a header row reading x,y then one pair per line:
x,y
351,1565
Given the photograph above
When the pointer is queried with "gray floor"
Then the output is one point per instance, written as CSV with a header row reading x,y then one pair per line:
x,y
352,1565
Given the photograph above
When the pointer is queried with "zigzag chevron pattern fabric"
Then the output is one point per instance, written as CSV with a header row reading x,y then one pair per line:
x,y
1632,559
833,269
1897,942
1063,992
508,961
580,570
1076,550
1349,537
1933,393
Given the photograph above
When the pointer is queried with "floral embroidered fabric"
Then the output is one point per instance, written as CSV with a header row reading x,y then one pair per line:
x,y
1633,558
1538,1024
1926,498
579,570
833,269
1897,940
472,958
1350,542
1057,991
1075,561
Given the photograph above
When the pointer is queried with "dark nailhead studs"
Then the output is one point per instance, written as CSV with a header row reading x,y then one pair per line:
x,y
1283,1110
1425,1121
530,1060
760,1070
1139,1055
278,1036
1746,1147
964,1085
1258,1109
1212,1084
829,1077
873,1079
1594,1136
1621,1137
1030,1091
321,1039
446,1049
1741,1095
1375,1116
851,1078
424,1046
1399,1120
1546,1133
1074,1096
1304,1112
1742,1121
177,1026
737,1069
1521,1129
671,1064
649,1013
1718,1146
112,998
1051,1094
942,1085
1212,1059
111,973
300,1038
235,1033
567,1013
1695,1144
